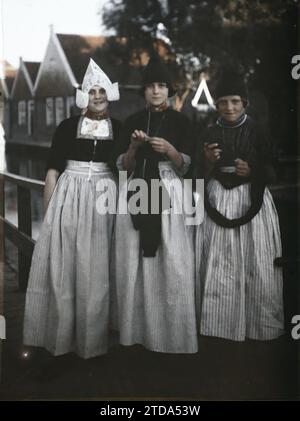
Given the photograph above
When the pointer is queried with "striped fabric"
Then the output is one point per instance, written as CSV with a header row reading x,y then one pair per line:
x,y
239,290
156,296
67,300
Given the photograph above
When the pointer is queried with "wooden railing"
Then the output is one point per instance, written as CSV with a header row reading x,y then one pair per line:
x,y
20,236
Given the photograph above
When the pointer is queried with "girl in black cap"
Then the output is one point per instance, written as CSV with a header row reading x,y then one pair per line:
x,y
154,252
239,288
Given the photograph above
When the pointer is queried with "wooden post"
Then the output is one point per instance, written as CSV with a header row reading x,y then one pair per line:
x,y
298,178
24,225
1,261
1,190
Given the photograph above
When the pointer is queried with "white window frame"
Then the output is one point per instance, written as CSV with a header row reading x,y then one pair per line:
x,y
30,111
70,104
49,105
59,110
22,113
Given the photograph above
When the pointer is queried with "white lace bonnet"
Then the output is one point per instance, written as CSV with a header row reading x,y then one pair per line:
x,y
95,76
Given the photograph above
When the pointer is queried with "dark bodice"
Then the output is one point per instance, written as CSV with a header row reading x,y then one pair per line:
x,y
66,145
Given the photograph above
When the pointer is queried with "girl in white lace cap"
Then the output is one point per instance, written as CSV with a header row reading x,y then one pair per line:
x,y
67,300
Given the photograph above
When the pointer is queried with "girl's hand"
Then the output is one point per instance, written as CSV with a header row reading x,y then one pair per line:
x,y
138,138
212,152
242,168
161,145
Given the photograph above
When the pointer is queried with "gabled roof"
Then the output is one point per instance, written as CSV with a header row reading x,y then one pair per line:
x,y
106,51
29,70
78,50
111,53
9,80
32,68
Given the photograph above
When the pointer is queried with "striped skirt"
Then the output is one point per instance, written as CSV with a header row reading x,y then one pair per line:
x,y
156,295
239,289
67,300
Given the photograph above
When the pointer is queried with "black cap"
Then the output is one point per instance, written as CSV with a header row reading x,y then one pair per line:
x,y
231,84
156,71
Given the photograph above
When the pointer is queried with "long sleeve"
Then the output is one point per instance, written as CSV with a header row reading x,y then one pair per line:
x,y
199,157
56,159
265,156
117,127
123,139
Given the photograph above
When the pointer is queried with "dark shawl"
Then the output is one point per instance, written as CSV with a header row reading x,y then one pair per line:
x,y
177,130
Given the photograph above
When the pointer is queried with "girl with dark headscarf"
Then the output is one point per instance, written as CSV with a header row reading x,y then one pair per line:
x,y
239,286
155,281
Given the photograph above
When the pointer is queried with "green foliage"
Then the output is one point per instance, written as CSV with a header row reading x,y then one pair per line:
x,y
256,38
224,30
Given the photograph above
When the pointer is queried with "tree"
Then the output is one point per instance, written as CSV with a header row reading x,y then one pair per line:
x,y
218,29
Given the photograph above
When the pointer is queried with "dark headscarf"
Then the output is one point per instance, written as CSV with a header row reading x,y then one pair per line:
x,y
231,84
156,71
